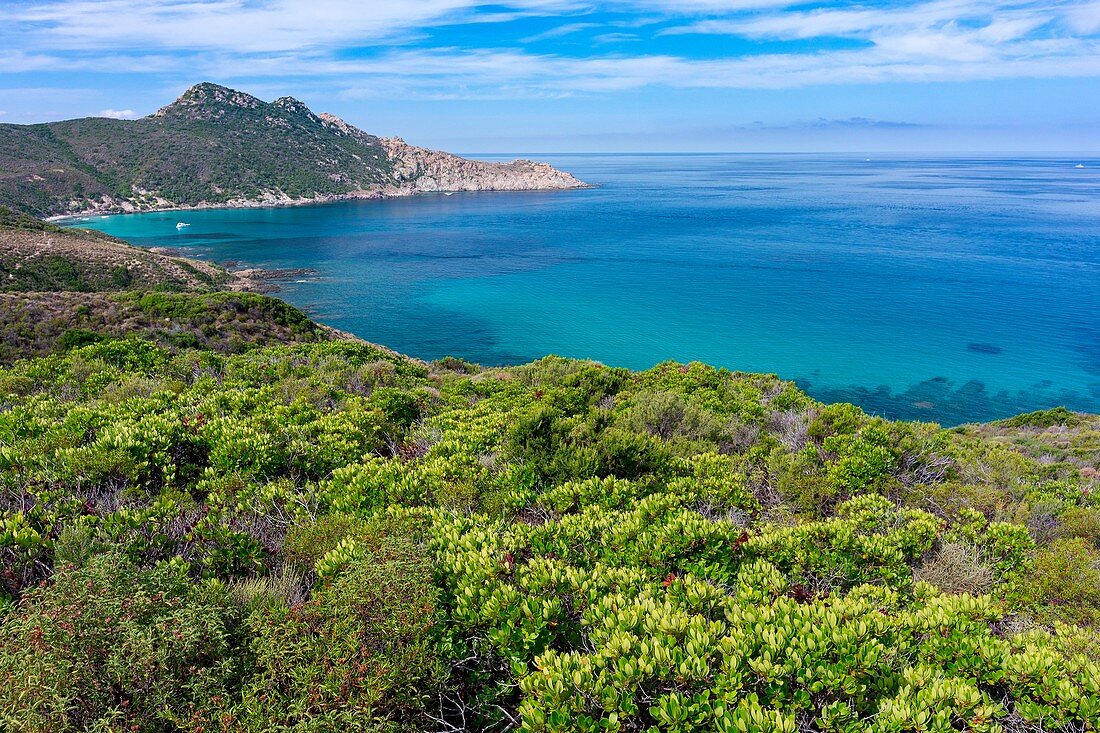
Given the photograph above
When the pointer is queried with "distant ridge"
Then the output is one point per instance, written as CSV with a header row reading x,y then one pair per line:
x,y
215,146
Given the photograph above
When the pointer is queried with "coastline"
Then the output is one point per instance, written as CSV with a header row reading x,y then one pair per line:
x,y
276,202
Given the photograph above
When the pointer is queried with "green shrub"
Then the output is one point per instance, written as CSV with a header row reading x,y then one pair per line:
x,y
1063,583
559,448
670,416
307,543
1043,419
838,419
111,647
362,654
77,337
347,539
1083,522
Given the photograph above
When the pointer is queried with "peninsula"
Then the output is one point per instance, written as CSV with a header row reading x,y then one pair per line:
x,y
218,147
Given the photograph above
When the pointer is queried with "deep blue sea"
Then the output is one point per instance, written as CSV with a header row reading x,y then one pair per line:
x,y
948,289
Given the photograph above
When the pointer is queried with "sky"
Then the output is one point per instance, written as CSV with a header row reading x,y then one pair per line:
x,y
575,76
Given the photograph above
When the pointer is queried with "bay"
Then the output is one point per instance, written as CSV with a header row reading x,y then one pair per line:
x,y
946,288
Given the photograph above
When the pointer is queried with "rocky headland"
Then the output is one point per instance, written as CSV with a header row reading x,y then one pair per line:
x,y
218,147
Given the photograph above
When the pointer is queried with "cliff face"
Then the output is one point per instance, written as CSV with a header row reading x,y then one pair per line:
x,y
419,169
216,146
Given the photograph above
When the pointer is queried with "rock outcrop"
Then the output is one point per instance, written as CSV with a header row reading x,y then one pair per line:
x,y
420,170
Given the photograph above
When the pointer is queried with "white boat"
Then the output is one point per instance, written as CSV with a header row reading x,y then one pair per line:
x,y
182,224
1079,165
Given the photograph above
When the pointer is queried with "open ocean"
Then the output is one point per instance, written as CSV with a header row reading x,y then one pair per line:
x,y
935,288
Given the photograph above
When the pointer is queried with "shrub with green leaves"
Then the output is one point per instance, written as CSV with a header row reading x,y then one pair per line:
x,y
110,646
330,536
363,653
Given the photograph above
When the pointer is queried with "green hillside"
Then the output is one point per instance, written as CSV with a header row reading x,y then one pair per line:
x,y
329,537
36,324
61,288
211,145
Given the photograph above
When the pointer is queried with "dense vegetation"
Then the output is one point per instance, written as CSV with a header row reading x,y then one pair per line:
x,y
39,323
62,288
212,145
328,536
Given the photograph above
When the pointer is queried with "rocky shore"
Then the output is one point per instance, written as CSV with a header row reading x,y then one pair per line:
x,y
257,280
416,171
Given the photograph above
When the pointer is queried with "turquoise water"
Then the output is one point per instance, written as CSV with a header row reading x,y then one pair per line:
x,y
949,289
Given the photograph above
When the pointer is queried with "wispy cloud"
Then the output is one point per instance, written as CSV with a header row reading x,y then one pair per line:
x,y
955,30
605,38
922,41
233,25
856,122
1085,18
558,32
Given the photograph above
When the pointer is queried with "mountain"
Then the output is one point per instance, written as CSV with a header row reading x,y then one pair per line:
x,y
216,146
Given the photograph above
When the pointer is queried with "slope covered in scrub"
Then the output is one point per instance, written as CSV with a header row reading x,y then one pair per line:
x,y
63,288
37,256
330,536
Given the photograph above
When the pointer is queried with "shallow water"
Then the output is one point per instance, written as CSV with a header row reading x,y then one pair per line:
x,y
948,289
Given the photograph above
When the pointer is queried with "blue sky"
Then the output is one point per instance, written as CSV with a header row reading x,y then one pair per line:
x,y
568,75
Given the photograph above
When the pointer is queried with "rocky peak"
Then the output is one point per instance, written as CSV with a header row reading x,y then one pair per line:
x,y
338,126
200,99
292,105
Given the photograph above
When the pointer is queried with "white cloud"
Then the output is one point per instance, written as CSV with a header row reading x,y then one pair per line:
x,y
118,114
917,41
234,25
454,73
559,31
1085,18
939,40
605,38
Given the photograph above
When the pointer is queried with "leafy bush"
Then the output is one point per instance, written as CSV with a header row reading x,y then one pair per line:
x,y
1043,419
669,416
77,337
1083,522
110,646
1064,583
349,539
362,654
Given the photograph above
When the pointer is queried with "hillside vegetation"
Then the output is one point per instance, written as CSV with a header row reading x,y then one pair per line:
x,y
328,536
219,146
35,324
36,256
62,287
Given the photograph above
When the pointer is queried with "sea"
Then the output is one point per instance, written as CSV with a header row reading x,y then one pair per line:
x,y
935,288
